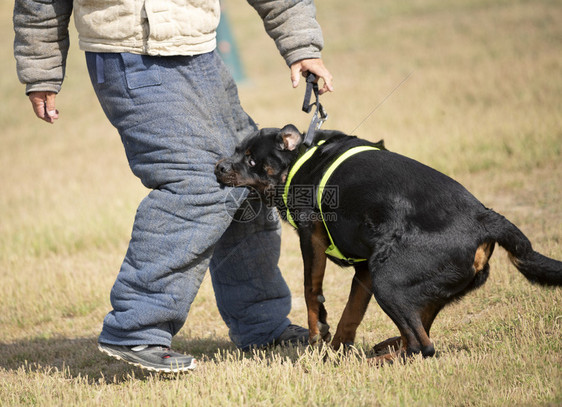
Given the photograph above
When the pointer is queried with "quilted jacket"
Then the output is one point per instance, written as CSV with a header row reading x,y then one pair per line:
x,y
153,27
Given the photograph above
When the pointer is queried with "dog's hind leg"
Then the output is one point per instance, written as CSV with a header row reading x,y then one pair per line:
x,y
415,285
395,344
314,243
359,298
398,286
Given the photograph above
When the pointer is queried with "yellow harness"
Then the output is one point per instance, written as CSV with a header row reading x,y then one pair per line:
x,y
332,250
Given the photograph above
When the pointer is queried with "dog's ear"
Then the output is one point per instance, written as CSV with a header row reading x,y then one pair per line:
x,y
289,138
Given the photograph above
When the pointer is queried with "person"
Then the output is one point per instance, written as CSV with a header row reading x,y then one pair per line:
x,y
160,82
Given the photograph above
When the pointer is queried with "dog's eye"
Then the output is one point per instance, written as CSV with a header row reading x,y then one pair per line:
x,y
251,162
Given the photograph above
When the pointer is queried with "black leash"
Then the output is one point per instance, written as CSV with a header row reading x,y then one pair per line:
x,y
319,115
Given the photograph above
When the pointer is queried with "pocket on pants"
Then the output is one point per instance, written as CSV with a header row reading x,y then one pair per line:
x,y
141,71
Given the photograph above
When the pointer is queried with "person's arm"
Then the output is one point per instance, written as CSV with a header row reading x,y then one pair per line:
x,y
297,34
40,48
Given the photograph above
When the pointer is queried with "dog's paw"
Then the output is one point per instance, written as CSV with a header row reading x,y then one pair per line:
x,y
387,347
324,331
323,334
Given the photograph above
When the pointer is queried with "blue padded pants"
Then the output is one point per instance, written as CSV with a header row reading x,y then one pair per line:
x,y
176,117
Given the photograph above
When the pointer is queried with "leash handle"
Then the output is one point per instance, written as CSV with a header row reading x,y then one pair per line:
x,y
311,86
319,115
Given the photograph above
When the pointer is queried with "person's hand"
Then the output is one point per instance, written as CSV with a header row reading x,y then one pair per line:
x,y
316,66
44,105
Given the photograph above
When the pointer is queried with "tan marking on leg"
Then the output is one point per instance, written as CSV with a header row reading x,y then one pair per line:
x,y
357,303
482,256
396,346
388,346
313,281
383,359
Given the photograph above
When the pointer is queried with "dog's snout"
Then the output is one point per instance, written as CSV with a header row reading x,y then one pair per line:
x,y
223,167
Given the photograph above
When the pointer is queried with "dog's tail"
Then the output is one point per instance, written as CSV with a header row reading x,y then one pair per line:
x,y
533,265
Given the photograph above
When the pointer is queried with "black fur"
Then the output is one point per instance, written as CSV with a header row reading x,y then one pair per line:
x,y
419,229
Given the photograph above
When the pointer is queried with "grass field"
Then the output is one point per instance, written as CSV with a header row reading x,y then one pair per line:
x,y
483,103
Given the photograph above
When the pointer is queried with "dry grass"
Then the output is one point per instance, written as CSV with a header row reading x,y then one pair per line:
x,y
483,103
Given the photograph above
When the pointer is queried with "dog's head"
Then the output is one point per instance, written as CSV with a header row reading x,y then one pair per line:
x,y
262,160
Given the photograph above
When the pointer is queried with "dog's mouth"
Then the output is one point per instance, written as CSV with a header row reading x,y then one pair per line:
x,y
229,180
228,176
232,180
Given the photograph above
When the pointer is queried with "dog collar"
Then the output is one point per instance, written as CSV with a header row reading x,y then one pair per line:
x,y
332,250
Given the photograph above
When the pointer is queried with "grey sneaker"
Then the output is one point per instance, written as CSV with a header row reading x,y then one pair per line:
x,y
292,335
150,357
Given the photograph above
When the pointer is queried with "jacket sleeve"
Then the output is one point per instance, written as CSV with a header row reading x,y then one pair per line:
x,y
292,25
41,42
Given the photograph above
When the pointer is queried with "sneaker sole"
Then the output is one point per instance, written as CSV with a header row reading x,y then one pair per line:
x,y
146,367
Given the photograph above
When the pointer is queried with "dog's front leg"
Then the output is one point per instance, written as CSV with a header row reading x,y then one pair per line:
x,y
314,242
359,298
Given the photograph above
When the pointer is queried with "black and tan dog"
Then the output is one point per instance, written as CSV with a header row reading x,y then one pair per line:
x,y
418,239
